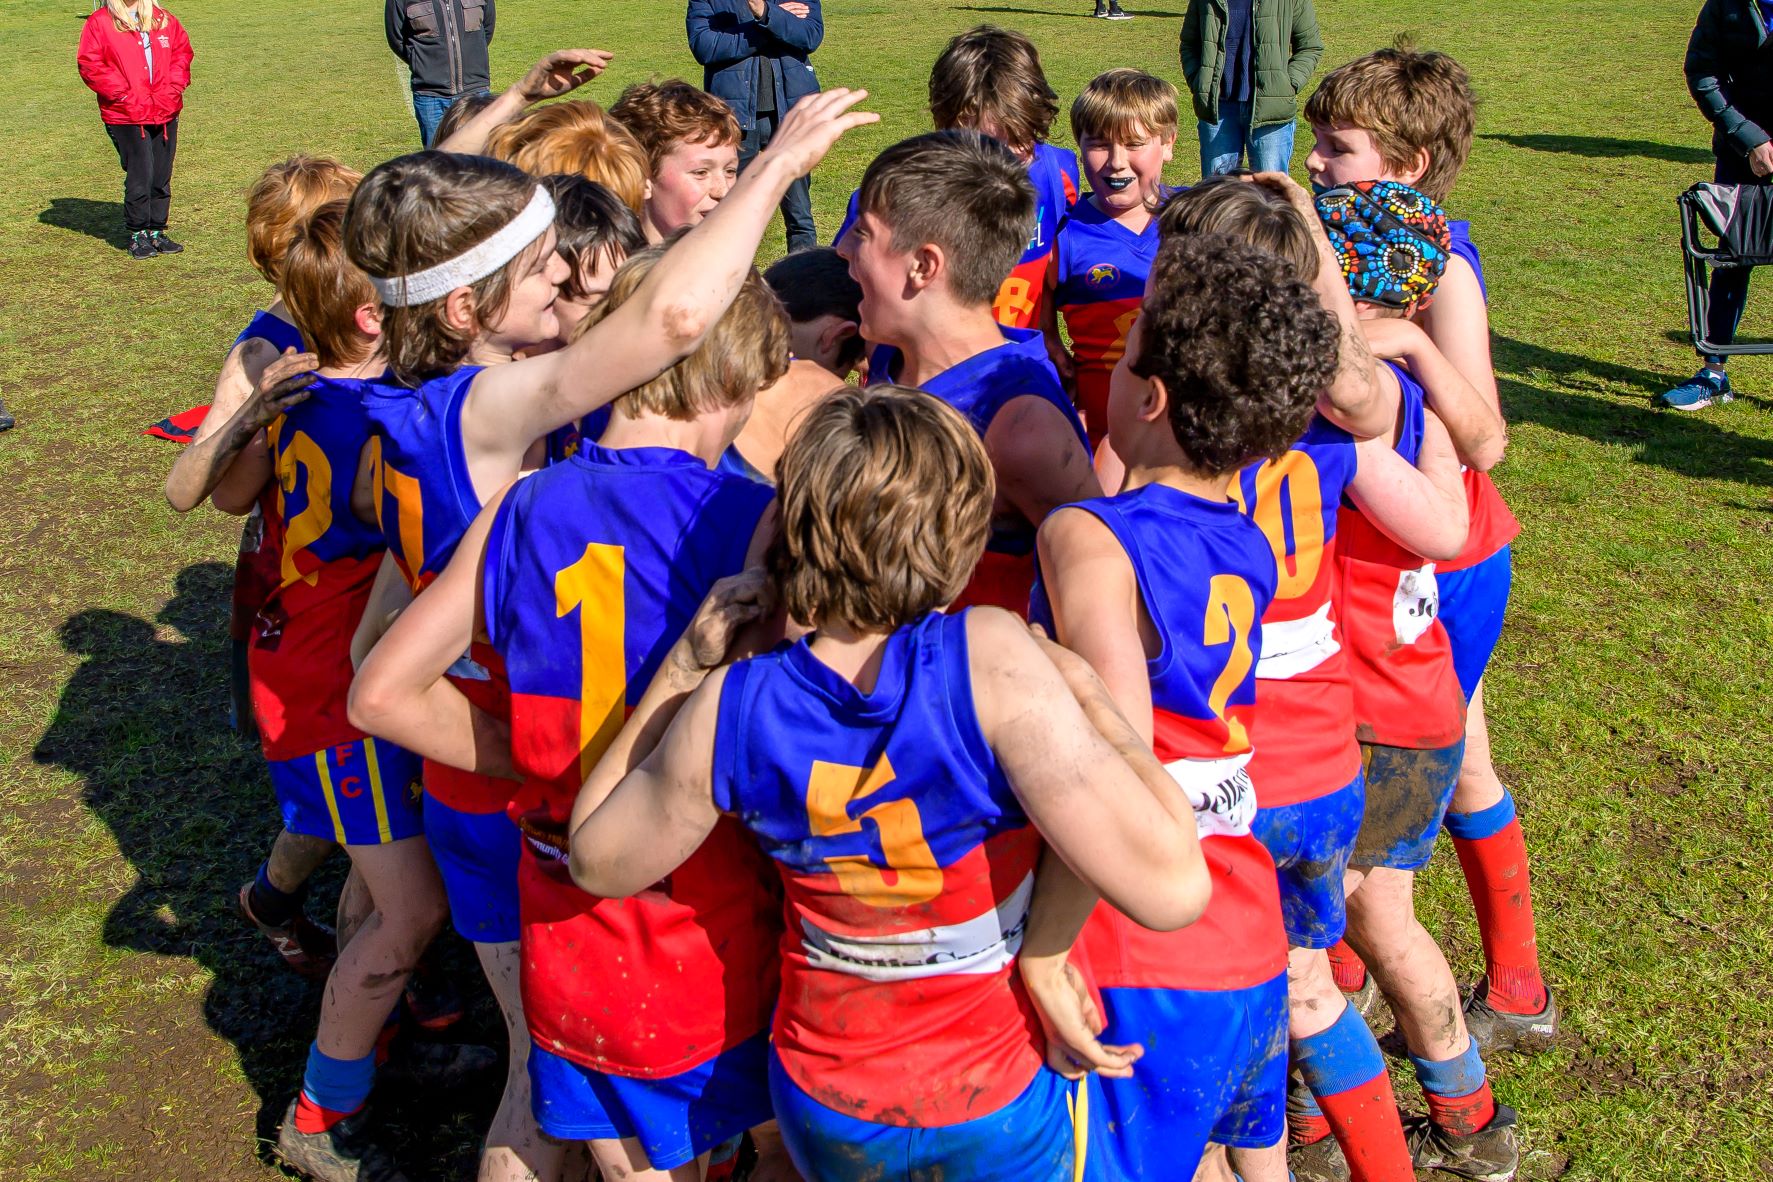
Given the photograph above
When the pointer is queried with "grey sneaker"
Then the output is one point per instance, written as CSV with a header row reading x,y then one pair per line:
x,y
1115,13
1499,1030
1492,1154
1320,1161
141,246
344,1153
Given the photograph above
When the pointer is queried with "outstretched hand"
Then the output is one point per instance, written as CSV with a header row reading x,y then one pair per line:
x,y
286,382
561,72
812,125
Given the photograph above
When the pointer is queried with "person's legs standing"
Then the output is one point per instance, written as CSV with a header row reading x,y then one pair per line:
x,y
136,157
1271,147
162,145
1222,143
430,109
1728,295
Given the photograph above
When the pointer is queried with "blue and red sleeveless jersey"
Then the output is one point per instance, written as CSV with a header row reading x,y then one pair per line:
x,y
425,501
908,865
300,659
1018,301
1493,526
1100,268
256,566
594,567
979,388
1400,662
1206,575
1304,725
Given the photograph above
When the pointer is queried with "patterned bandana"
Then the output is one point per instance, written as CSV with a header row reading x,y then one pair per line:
x,y
1391,240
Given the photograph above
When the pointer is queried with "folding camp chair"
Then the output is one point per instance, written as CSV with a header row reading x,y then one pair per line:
x,y
1740,218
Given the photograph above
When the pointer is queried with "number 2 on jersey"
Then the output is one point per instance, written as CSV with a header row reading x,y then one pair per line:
x,y
1231,612
311,524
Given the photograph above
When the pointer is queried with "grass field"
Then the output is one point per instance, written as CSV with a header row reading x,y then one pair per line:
x,y
145,1035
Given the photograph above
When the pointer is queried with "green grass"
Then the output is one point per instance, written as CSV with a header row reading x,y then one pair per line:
x,y
143,1035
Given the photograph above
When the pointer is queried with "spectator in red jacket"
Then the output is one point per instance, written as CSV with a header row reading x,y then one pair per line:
x,y
136,57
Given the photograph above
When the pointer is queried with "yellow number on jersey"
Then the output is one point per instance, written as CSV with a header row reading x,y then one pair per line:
x,y
409,507
829,792
1231,611
593,585
1295,475
301,464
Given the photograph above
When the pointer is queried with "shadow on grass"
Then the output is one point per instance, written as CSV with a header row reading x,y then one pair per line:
x,y
1086,13
1573,402
143,722
1605,147
96,219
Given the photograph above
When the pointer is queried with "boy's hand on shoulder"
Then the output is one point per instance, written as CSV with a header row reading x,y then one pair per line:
x,y
286,382
812,125
731,604
1393,340
561,72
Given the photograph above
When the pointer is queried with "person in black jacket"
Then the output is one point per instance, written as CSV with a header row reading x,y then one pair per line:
x,y
1730,73
444,43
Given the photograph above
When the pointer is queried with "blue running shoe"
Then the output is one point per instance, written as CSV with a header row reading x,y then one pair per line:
x,y
1699,391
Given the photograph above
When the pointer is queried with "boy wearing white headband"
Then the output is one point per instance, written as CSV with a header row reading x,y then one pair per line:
x,y
461,252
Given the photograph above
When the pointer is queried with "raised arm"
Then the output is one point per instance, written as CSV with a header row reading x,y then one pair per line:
x,y
1134,845
1039,461
561,72
1422,507
1478,432
684,295
400,693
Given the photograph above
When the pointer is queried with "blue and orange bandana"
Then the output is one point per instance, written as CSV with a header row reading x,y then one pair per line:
x,y
1391,240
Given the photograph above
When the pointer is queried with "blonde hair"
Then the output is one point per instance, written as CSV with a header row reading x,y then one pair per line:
x,y
1118,101
884,507
1409,101
745,351
283,198
577,137
417,211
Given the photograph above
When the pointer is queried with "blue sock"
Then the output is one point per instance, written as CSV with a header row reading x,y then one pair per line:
x,y
1483,823
1459,1076
270,905
337,1087
1344,1056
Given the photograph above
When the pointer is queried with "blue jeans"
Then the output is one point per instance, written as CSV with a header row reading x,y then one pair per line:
x,y
430,110
1223,144
797,203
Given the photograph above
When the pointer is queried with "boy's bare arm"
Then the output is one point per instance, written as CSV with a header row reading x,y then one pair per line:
x,y
509,406
234,422
1039,461
1458,321
559,73
1421,507
1475,425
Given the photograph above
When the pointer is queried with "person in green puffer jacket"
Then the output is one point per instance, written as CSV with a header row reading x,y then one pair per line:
x,y
1246,62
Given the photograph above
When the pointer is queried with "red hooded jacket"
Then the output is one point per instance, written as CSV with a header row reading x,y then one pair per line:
x,y
114,62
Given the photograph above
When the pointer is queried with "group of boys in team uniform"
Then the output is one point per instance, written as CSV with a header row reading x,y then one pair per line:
x,y
1008,761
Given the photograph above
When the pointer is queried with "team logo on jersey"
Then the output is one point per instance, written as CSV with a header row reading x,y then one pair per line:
x,y
1103,275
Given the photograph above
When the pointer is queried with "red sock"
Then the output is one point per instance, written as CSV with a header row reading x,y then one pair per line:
x,y
1501,894
1369,1131
1462,1115
311,1118
1347,967
1307,1128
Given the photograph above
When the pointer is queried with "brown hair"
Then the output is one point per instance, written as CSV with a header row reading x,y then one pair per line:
x,y
746,350
590,225
1408,100
579,137
424,209
992,75
1118,101
884,508
1246,211
460,111
283,198
324,289
1241,345
961,190
662,115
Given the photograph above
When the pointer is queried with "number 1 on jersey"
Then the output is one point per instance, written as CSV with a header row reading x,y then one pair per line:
x,y
593,585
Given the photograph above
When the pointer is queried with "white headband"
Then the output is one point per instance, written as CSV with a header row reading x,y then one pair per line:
x,y
475,263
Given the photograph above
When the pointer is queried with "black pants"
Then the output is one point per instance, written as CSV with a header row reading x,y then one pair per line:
x,y
797,203
145,151
1729,285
